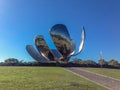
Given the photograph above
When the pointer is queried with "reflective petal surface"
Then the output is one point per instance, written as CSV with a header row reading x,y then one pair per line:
x,y
82,42
43,47
73,47
57,54
65,46
61,39
34,54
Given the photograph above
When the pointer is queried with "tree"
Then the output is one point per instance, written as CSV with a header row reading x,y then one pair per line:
x,y
102,63
90,63
77,61
114,63
11,61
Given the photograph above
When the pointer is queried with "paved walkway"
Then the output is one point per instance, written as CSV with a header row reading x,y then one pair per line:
x,y
107,82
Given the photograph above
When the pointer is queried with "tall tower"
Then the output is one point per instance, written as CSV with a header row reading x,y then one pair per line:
x,y
100,55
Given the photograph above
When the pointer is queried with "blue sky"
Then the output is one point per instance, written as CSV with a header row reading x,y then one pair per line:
x,y
22,20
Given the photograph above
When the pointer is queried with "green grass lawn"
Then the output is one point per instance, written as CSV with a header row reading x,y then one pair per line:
x,y
42,78
114,73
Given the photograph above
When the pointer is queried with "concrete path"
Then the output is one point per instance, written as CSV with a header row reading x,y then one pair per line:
x,y
110,83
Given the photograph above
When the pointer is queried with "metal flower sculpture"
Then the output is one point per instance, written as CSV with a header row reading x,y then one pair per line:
x,y
65,45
